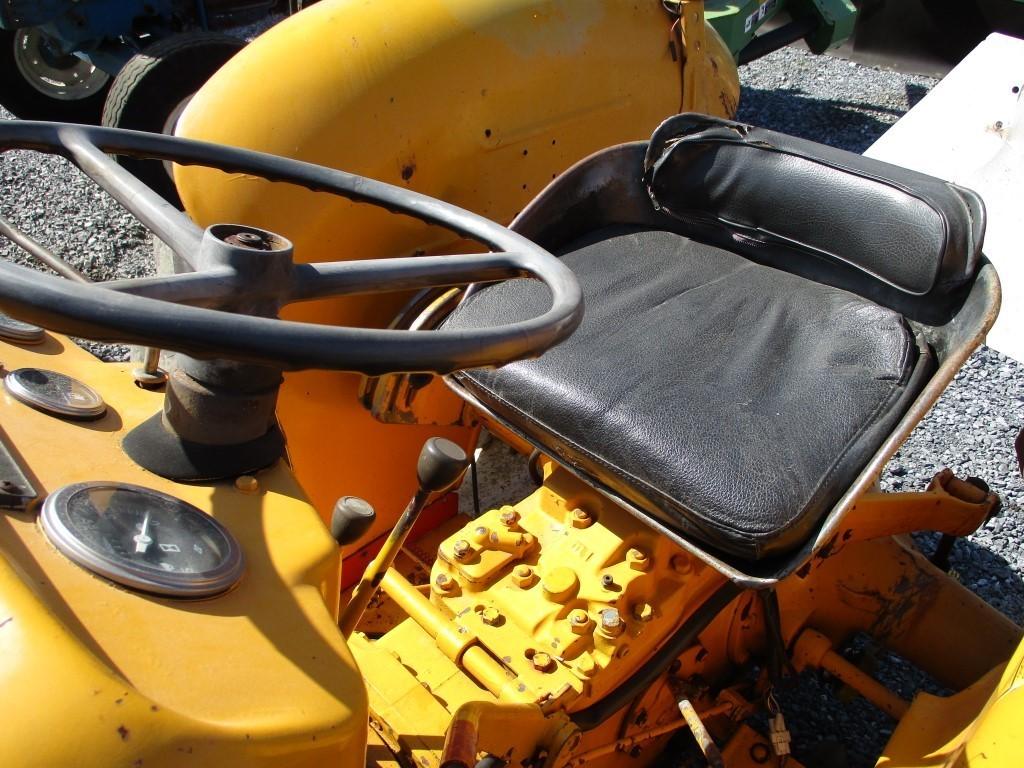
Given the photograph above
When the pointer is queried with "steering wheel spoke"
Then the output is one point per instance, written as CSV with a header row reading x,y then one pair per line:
x,y
344,278
244,274
156,214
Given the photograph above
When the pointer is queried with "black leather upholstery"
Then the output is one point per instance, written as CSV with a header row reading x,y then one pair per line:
x,y
907,240
745,350
734,401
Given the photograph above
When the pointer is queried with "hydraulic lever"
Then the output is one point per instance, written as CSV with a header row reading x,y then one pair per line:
x,y
440,466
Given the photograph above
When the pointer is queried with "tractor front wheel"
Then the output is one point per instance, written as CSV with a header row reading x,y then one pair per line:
x,y
37,82
153,88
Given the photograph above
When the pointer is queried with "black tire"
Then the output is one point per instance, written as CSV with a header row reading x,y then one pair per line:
x,y
146,95
25,93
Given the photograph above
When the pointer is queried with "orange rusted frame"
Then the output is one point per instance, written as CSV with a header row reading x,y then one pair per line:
x,y
480,726
950,505
813,649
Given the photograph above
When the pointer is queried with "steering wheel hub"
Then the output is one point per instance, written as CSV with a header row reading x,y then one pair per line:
x,y
223,316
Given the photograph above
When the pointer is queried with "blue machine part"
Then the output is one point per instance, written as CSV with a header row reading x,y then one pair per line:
x,y
84,25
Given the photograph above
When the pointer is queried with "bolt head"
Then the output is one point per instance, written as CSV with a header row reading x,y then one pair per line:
x,y
585,666
578,617
610,618
638,560
643,612
444,582
542,662
581,518
509,517
247,484
491,616
522,575
461,549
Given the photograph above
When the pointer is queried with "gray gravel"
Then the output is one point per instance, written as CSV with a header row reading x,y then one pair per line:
x,y
828,100
971,429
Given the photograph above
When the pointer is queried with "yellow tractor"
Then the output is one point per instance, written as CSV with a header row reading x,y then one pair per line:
x,y
704,338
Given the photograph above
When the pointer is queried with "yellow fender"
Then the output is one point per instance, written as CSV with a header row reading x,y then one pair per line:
x,y
480,103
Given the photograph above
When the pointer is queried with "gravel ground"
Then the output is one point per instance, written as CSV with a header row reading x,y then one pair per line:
x,y
828,100
971,429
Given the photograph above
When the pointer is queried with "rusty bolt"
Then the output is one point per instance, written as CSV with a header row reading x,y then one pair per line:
x,y
578,617
509,517
542,662
581,518
248,240
523,576
638,560
491,617
611,622
444,582
461,549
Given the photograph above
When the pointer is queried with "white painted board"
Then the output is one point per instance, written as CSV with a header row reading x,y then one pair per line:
x,y
970,130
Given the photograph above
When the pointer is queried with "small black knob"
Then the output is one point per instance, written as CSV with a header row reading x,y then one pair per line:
x,y
441,465
351,519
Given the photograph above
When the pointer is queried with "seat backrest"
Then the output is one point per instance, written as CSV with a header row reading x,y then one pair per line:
x,y
903,239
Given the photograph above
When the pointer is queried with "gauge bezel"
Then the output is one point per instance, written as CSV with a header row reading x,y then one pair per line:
x,y
19,332
22,392
193,585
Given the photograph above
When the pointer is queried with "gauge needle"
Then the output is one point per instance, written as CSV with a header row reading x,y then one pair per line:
x,y
143,539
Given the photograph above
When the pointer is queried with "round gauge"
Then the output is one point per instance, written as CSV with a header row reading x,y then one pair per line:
x,y
19,332
55,393
142,539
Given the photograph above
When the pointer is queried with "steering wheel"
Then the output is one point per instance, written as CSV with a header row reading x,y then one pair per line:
x,y
243,272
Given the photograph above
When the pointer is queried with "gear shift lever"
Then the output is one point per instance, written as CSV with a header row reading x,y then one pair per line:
x,y
441,465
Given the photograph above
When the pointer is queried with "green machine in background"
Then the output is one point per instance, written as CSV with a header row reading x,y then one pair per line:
x,y
822,24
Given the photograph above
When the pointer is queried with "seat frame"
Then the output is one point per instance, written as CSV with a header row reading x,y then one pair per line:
x,y
606,189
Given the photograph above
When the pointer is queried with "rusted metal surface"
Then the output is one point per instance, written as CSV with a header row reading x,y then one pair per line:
x,y
813,649
700,733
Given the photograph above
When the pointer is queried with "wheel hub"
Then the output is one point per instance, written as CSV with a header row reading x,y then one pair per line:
x,y
62,77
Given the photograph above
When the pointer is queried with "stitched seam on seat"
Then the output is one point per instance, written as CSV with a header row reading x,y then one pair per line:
x,y
743,142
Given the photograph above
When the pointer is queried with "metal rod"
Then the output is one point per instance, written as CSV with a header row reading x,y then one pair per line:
x,y
769,42
814,649
626,743
156,214
461,648
700,733
40,252
374,573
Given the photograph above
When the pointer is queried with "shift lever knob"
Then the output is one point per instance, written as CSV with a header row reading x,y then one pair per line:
x,y
441,465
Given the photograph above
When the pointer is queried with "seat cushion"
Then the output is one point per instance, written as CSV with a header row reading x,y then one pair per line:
x,y
734,402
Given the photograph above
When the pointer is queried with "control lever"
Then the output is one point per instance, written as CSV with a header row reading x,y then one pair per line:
x,y
441,465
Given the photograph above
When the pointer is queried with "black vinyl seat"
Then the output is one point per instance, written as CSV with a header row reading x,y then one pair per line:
x,y
731,399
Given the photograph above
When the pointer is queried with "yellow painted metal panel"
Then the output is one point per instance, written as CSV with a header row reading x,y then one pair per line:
x,y
256,676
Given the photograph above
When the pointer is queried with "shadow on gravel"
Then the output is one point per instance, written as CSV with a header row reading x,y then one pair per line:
x,y
843,124
984,572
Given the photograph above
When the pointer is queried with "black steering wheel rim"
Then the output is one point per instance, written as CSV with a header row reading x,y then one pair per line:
x,y
141,311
